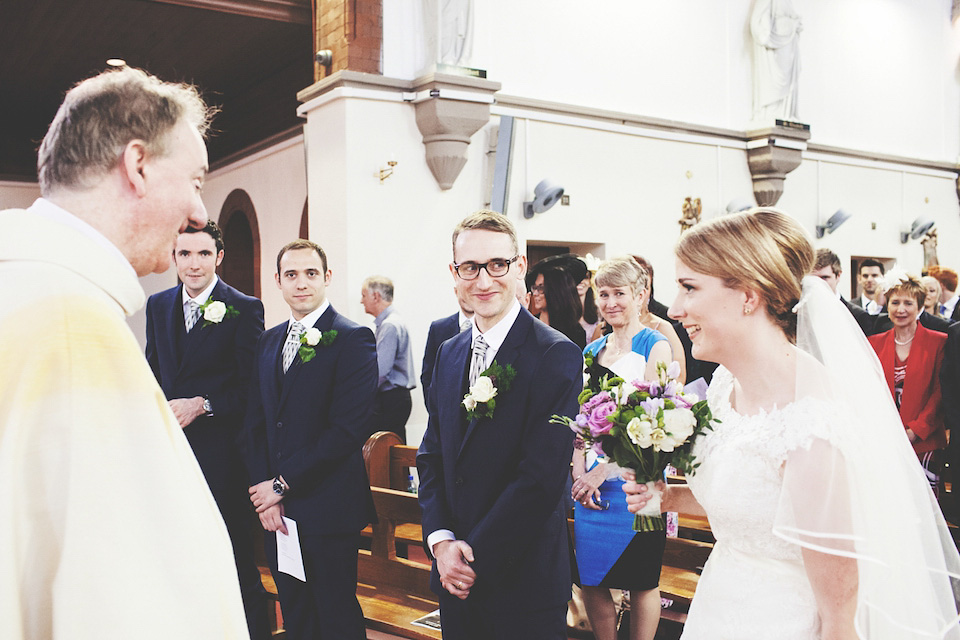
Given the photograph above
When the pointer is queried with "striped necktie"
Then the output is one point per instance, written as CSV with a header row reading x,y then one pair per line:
x,y
192,315
479,363
292,345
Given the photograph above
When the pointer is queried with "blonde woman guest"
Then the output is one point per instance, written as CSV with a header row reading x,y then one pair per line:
x,y
931,302
826,528
610,555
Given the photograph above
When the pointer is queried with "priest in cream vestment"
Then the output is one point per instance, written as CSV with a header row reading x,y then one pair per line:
x,y
108,528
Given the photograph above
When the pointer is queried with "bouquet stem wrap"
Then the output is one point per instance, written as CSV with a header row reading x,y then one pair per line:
x,y
649,518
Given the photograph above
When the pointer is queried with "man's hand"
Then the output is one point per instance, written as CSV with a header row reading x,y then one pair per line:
x,y
263,497
187,410
453,558
272,519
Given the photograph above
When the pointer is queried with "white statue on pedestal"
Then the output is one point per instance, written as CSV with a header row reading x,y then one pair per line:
x,y
448,29
775,28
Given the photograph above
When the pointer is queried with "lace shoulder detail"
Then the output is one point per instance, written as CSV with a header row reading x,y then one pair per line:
x,y
778,432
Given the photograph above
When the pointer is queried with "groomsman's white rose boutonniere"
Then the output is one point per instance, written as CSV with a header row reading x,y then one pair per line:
x,y
215,312
311,338
481,401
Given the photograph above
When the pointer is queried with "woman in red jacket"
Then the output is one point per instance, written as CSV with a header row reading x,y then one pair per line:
x,y
911,356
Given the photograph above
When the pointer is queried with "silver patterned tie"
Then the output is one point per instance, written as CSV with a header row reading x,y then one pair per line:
x,y
478,364
465,325
193,314
292,345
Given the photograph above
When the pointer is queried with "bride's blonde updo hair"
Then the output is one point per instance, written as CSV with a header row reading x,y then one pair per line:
x,y
762,249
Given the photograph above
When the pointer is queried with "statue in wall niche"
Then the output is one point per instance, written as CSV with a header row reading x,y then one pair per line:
x,y
691,213
775,28
448,29
929,243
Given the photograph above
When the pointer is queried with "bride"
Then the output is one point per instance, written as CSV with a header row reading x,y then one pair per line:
x,y
825,526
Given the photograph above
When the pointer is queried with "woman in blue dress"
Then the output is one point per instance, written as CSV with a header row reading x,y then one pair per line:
x,y
610,554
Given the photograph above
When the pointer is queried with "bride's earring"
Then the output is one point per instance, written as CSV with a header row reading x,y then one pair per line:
x,y
747,310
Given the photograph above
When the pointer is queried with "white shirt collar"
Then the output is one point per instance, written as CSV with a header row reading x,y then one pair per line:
x,y
204,295
311,318
54,213
951,304
461,318
495,335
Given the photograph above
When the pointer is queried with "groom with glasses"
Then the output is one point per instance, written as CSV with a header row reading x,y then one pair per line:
x,y
492,467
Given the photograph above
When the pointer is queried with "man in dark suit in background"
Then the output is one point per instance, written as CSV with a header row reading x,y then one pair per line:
x,y
947,278
440,330
310,412
492,487
950,388
828,268
201,353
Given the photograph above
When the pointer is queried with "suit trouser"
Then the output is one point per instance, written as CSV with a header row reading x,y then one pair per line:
x,y
392,410
493,620
238,515
325,607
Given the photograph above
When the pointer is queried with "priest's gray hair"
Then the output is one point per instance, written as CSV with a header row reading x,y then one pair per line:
x,y
102,114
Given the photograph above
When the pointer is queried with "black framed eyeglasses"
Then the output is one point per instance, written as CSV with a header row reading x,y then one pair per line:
x,y
495,268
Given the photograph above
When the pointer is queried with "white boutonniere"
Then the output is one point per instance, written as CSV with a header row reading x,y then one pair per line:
x,y
215,312
311,338
481,401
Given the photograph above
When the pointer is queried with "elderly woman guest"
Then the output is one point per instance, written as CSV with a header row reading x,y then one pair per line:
x,y
610,555
931,303
825,527
911,356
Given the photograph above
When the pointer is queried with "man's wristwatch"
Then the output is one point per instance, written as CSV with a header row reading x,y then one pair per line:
x,y
207,407
278,487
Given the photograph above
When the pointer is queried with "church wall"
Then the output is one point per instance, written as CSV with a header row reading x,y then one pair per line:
x,y
18,195
877,76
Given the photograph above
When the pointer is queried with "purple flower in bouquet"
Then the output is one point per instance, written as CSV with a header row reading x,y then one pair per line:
x,y
598,399
580,421
652,406
598,449
643,385
599,424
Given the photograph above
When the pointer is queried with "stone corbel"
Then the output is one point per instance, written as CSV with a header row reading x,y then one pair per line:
x,y
772,153
450,109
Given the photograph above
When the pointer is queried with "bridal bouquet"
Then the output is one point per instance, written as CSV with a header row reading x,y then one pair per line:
x,y
642,426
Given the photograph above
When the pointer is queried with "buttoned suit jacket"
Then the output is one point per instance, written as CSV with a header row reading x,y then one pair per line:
x,y
214,361
309,425
950,382
498,482
440,330
867,322
920,403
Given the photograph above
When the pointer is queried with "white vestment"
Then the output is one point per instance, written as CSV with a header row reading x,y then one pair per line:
x,y
108,527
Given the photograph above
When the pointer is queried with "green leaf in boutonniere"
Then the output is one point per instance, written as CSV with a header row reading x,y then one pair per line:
x,y
215,312
481,401
311,338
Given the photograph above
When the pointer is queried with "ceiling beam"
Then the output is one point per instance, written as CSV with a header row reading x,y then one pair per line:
x,y
293,11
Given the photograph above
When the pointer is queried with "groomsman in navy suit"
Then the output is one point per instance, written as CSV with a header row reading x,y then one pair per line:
x,y
492,488
310,412
440,330
202,360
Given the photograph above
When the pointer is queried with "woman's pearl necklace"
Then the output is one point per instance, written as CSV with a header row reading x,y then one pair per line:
x,y
903,344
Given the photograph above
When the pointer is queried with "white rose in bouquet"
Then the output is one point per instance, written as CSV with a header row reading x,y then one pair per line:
x,y
679,423
470,403
214,312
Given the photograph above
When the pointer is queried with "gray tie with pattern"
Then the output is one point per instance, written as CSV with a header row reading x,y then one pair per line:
x,y
478,364
465,325
292,345
192,315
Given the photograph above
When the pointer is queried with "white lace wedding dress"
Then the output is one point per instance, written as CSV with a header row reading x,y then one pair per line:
x,y
753,586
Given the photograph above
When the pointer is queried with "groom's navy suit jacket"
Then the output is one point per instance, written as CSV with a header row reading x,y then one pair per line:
x,y
498,483
213,361
309,425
